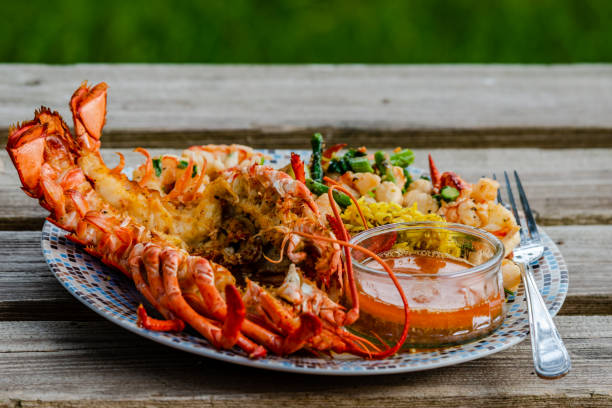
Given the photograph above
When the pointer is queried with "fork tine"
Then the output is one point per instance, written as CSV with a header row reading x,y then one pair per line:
x,y
499,197
523,233
531,224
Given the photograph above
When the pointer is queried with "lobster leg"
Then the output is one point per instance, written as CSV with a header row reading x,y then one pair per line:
x,y
135,262
254,349
150,258
150,323
170,262
236,313
205,280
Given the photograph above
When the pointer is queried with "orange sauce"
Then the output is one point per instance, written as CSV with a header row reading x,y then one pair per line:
x,y
442,311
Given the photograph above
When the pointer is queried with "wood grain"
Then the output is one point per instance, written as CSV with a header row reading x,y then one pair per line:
x,y
551,123
68,363
564,186
30,292
275,106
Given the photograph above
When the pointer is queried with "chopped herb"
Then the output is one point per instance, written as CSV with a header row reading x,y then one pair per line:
x,y
194,172
372,194
157,167
262,161
182,164
402,158
508,292
424,177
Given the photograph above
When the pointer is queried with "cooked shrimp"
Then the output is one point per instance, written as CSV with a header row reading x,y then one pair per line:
x,y
485,190
365,182
324,205
398,174
512,275
421,185
389,192
425,202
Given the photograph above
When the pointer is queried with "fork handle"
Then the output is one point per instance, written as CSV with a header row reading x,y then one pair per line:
x,y
550,357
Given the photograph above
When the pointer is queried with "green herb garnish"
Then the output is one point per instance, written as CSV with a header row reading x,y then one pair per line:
x,y
182,164
157,167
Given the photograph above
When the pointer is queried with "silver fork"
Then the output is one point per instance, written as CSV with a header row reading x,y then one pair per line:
x,y
550,357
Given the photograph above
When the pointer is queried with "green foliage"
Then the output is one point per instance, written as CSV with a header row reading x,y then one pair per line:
x,y
299,31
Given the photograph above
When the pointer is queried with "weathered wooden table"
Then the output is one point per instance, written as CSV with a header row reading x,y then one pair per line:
x,y
553,124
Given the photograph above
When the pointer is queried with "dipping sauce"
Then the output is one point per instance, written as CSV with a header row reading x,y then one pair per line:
x,y
446,307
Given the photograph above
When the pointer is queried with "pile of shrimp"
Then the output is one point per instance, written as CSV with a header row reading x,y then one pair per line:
x,y
476,205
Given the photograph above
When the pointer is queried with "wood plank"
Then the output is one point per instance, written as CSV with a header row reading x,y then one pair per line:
x,y
30,292
274,106
77,364
565,186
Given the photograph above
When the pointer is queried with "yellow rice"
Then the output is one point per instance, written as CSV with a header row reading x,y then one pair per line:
x,y
382,213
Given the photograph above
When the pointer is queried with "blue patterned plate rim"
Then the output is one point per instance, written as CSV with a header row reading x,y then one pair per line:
x,y
110,294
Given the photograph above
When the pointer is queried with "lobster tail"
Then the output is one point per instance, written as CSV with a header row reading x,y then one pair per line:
x,y
88,106
32,143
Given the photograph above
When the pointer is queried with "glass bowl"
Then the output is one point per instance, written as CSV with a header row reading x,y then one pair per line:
x,y
446,307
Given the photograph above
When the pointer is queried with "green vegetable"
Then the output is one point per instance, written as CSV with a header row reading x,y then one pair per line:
x,y
424,177
449,193
408,179
372,194
361,165
384,166
194,172
319,188
317,142
402,158
316,170
157,166
337,166
262,161
508,292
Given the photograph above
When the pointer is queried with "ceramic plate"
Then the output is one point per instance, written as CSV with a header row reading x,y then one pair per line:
x,y
109,293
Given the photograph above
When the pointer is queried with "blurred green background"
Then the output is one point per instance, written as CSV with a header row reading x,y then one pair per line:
x,y
300,31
